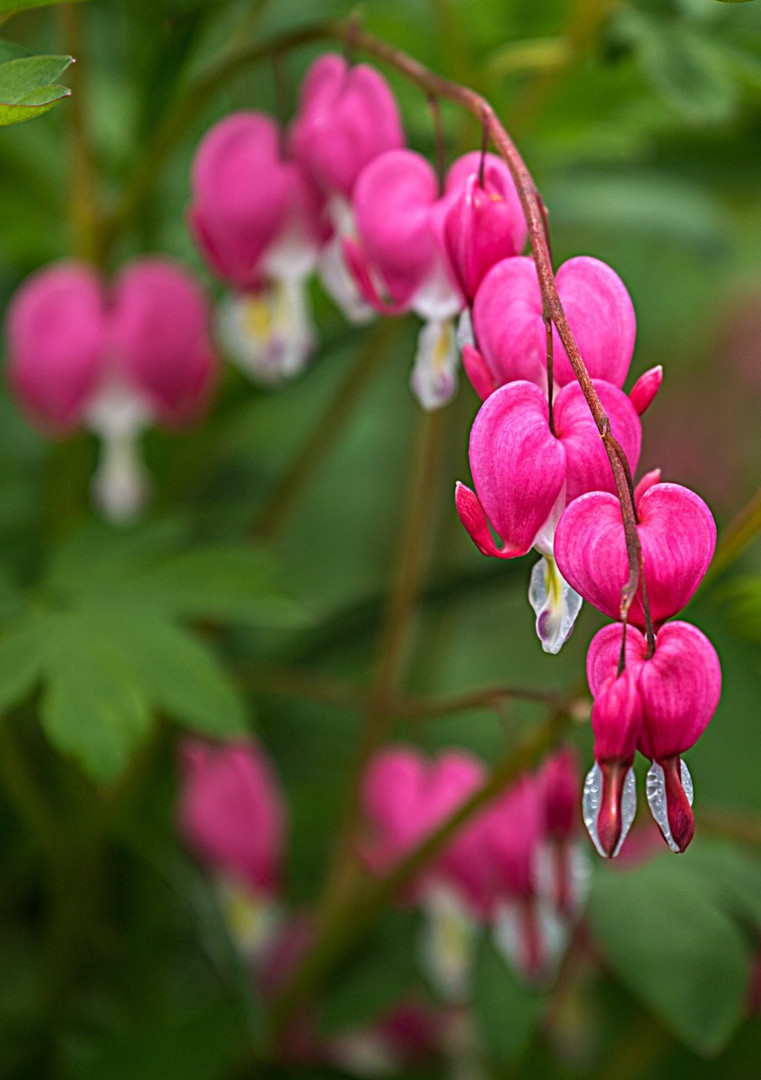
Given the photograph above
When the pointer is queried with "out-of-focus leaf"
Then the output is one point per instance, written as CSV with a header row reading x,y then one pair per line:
x,y
375,979
176,673
9,6
19,662
681,65
745,611
28,87
92,707
664,933
506,1012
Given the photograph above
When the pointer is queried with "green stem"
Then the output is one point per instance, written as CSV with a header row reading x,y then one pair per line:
x,y
340,410
742,529
350,922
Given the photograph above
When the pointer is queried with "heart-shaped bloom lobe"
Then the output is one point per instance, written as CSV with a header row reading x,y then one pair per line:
x,y
511,331
485,223
560,783
645,388
231,813
158,338
405,797
399,260
523,473
516,826
347,116
562,871
241,193
679,688
677,535
55,330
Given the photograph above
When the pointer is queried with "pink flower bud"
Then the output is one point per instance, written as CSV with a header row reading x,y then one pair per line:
x,y
55,331
347,116
677,534
645,388
523,473
159,338
484,223
231,811
510,330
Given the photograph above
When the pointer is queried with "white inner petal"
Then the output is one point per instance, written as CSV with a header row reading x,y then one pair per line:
x,y
555,604
269,335
592,799
120,483
447,945
434,373
655,788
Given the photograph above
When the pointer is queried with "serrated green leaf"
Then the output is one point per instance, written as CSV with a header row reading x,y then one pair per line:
x,y
92,707
28,87
20,663
178,674
665,935
507,1014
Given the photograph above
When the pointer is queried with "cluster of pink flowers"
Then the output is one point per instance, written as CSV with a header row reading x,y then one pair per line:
x,y
515,866
542,479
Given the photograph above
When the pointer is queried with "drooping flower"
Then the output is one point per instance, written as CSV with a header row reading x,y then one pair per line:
x,y
510,329
562,871
258,222
115,360
347,116
677,689
677,535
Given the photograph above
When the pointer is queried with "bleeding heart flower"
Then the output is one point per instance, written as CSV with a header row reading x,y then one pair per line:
x,y
677,535
115,361
524,473
562,871
258,222
678,688
485,222
510,329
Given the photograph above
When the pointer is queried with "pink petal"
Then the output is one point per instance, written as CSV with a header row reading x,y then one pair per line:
x,y
617,717
645,388
477,370
588,465
507,319
347,116
55,331
158,337
601,316
604,652
393,201
234,216
680,688
518,466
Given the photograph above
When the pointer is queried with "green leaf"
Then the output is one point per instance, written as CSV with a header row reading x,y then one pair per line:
x,y
175,672
28,87
20,663
9,6
506,1012
92,707
374,979
665,935
682,66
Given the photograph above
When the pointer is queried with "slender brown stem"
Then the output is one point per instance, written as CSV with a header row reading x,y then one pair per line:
x,y
284,496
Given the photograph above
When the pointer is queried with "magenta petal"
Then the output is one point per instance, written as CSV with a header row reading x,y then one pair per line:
x,y
677,535
347,116
474,519
645,388
604,652
518,466
650,479
588,465
55,330
477,370
617,718
393,202
507,318
601,316
680,688
159,340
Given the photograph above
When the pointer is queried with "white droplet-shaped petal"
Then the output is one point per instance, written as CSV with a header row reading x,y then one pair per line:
x,y
269,335
465,334
434,373
340,285
655,788
252,919
592,798
577,867
437,298
555,603
120,483
514,921
447,945
363,1053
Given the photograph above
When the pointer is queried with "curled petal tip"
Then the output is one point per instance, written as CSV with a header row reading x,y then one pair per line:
x,y
645,388
478,372
474,519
